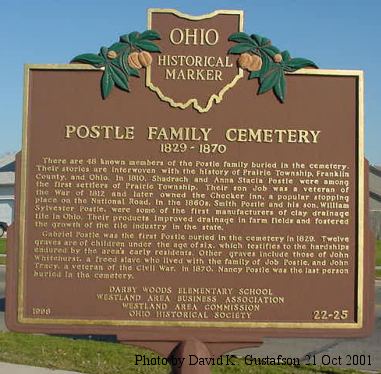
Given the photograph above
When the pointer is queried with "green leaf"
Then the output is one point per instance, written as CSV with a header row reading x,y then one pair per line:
x,y
147,46
123,60
125,38
89,58
134,36
271,50
257,39
134,72
150,35
272,67
240,37
107,82
261,41
254,74
117,63
280,87
240,48
119,78
299,63
286,56
118,47
270,80
103,53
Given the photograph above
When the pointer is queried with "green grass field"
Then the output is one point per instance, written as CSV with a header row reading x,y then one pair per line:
x,y
94,357
378,258
378,253
3,242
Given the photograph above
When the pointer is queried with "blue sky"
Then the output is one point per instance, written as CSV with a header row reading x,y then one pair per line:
x,y
336,34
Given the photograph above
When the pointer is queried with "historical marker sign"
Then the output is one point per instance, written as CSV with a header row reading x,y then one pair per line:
x,y
191,202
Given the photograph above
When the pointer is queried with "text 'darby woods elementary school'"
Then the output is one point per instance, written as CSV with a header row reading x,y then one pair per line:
x,y
191,188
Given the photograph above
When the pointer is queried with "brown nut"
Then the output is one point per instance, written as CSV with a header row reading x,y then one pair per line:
x,y
112,54
145,58
245,60
278,58
256,63
133,60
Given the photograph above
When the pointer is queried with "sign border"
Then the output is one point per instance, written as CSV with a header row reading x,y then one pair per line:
x,y
284,325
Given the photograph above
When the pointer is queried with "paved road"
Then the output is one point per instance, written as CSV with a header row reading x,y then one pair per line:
x,y
324,350
22,369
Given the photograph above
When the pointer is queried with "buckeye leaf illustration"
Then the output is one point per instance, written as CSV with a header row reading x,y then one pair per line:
x,y
90,58
280,88
298,63
122,59
241,48
119,78
240,37
270,79
107,82
150,35
265,61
